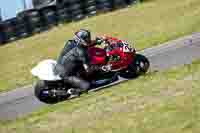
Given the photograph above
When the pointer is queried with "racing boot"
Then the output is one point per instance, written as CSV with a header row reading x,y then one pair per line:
x,y
74,92
79,85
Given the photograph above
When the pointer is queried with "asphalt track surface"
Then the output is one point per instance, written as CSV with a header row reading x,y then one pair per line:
x,y
20,102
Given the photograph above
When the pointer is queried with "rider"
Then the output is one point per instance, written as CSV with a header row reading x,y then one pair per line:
x,y
74,54
70,44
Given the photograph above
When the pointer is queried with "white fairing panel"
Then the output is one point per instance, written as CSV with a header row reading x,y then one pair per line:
x,y
44,70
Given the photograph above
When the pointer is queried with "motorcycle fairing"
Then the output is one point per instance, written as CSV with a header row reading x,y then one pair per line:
x,y
118,54
97,56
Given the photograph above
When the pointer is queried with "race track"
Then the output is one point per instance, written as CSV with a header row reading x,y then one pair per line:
x,y
20,102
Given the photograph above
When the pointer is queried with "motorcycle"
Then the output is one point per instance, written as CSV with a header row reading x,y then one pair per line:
x,y
117,54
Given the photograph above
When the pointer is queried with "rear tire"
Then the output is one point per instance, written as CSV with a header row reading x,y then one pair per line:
x,y
40,88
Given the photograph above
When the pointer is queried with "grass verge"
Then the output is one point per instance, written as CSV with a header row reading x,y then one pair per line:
x,y
147,24
160,102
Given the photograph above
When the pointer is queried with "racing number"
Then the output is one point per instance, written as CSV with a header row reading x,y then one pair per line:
x,y
126,47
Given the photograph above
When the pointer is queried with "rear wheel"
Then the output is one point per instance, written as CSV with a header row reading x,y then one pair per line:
x,y
139,66
47,95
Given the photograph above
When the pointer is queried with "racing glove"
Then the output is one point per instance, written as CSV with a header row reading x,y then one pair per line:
x,y
99,40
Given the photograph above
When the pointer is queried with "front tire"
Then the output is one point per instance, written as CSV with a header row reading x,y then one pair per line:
x,y
139,66
142,64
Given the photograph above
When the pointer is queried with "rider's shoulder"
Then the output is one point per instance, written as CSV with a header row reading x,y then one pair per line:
x,y
69,42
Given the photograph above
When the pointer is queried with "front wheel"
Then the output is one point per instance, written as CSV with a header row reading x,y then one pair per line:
x,y
139,66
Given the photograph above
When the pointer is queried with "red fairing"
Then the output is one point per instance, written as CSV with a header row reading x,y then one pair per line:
x,y
112,39
123,62
97,56
123,55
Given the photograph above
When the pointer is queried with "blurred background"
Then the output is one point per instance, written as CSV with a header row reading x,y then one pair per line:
x,y
24,18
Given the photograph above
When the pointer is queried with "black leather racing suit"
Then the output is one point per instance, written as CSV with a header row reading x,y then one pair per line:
x,y
70,58
68,46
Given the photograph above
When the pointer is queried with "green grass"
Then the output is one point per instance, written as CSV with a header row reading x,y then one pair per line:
x,y
160,102
147,24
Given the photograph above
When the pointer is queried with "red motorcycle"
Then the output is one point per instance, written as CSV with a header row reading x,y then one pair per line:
x,y
116,54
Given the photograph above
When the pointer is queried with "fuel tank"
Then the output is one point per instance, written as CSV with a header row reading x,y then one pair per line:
x,y
97,56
